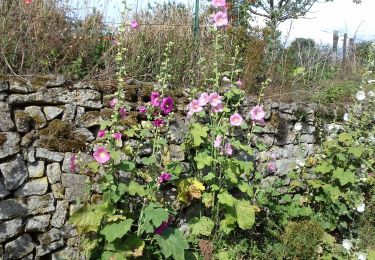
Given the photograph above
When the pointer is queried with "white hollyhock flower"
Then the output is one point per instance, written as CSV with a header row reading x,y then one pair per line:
x,y
371,93
362,256
346,117
298,127
347,244
361,95
361,207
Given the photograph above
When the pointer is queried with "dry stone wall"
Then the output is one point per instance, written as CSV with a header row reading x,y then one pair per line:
x,y
45,120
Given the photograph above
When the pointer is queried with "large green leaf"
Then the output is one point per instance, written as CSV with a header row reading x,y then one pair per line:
x,y
198,132
116,230
228,224
132,189
89,218
172,243
344,177
203,159
202,226
245,214
154,216
226,199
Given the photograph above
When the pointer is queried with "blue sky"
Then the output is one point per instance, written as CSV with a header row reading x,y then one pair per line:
x,y
341,15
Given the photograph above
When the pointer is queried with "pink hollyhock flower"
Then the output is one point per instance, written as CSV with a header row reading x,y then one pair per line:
x,y
158,122
221,19
122,112
164,177
217,141
218,3
155,99
194,106
113,102
101,155
257,113
134,24
236,119
218,108
166,105
142,109
226,79
73,163
203,99
228,149
117,136
271,167
215,99
164,225
101,133
28,2
239,83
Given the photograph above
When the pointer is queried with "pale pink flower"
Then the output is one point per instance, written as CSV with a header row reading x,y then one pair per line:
x,y
217,141
101,133
218,108
134,24
142,109
221,19
203,99
117,136
218,3
236,119
214,99
28,2
113,102
257,114
73,163
239,83
226,79
194,106
228,149
189,114
271,167
101,155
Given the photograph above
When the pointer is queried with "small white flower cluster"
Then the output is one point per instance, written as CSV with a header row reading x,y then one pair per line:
x,y
348,245
298,127
361,95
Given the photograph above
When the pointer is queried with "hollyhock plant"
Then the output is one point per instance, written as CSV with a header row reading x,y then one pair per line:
x,y
214,99
117,136
236,120
218,3
220,19
203,99
101,133
226,79
28,2
164,177
122,112
166,105
218,108
158,122
194,106
113,102
142,109
257,114
155,99
134,24
101,155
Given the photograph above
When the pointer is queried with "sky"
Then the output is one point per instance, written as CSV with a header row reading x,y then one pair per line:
x,y
341,15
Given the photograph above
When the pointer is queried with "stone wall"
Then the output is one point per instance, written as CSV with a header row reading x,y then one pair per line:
x,y
44,120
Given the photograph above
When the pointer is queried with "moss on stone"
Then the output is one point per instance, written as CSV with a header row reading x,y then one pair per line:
x,y
131,119
60,136
3,138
